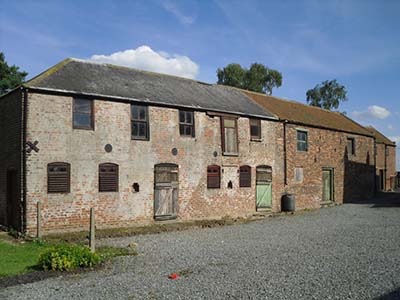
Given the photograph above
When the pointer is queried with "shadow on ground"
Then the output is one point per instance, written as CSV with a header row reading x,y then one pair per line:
x,y
382,199
393,295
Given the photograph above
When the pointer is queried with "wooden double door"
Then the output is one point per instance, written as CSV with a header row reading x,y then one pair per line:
x,y
166,191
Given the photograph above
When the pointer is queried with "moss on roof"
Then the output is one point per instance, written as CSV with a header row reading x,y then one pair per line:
x,y
308,115
379,137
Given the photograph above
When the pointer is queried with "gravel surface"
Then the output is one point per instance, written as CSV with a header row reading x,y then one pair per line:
x,y
345,252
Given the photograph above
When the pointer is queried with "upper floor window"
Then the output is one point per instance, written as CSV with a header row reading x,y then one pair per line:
x,y
387,151
245,176
186,123
351,146
255,129
229,136
213,177
108,177
140,122
83,114
302,140
58,177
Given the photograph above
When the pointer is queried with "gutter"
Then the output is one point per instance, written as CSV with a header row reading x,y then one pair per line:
x,y
148,101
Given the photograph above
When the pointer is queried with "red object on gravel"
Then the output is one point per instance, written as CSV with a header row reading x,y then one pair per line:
x,y
173,276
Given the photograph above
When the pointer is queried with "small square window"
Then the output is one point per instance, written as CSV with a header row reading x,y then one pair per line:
x,y
302,140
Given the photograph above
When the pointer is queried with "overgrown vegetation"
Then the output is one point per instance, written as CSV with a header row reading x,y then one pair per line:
x,y
65,257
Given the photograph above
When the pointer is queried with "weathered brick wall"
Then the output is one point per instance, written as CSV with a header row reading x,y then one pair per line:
x,y
10,149
387,163
380,164
50,123
391,167
353,175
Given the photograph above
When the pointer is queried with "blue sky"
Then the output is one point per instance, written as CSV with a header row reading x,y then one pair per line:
x,y
355,42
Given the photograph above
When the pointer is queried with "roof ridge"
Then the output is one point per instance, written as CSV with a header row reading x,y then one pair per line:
x,y
351,120
47,72
291,101
88,61
385,140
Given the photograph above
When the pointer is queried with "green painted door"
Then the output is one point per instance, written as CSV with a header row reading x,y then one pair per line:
x,y
264,195
327,185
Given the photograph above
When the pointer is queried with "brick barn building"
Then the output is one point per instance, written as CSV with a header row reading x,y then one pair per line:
x,y
385,152
142,147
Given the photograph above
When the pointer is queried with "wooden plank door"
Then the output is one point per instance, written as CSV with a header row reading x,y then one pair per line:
x,y
165,191
327,185
264,195
263,187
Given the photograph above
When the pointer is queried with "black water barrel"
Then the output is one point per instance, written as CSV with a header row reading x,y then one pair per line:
x,y
288,202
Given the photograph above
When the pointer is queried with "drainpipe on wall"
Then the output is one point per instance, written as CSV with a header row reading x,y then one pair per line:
x,y
385,168
284,153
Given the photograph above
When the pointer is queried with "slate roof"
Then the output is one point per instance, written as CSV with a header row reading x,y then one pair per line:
x,y
84,77
379,137
299,113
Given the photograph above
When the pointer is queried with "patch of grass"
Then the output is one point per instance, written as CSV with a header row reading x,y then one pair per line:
x,y
19,257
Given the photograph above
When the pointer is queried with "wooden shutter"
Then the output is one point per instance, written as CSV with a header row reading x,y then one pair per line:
x,y
108,178
213,177
58,178
245,176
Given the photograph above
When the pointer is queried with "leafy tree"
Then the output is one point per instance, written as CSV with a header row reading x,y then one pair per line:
x,y
10,76
329,94
258,78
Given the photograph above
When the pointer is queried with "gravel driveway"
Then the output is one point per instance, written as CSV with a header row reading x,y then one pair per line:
x,y
346,252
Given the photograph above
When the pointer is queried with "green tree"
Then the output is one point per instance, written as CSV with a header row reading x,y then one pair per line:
x,y
10,76
329,94
258,78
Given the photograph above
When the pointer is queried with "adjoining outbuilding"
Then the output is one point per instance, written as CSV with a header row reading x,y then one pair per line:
x,y
328,156
385,155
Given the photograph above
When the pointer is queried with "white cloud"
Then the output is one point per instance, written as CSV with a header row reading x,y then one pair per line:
x,y
145,58
373,112
173,9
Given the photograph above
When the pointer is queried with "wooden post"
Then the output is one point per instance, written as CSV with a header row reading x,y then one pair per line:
x,y
39,221
92,231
